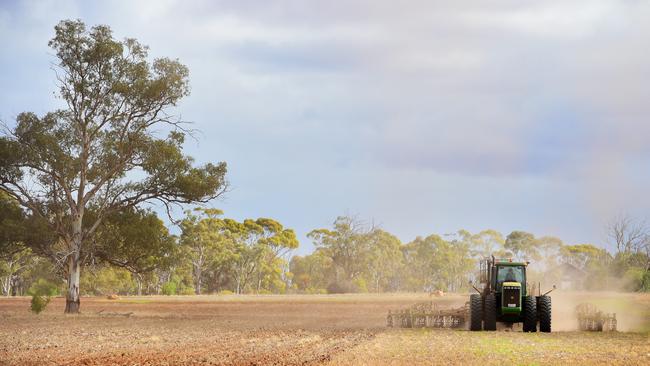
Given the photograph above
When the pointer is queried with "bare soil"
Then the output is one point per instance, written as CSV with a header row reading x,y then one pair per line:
x,y
296,330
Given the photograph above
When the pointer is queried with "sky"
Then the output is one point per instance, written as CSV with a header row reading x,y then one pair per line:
x,y
421,117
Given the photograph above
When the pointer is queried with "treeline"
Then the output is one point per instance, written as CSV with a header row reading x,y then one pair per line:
x,y
352,257
134,253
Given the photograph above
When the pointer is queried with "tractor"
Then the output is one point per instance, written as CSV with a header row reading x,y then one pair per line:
x,y
506,298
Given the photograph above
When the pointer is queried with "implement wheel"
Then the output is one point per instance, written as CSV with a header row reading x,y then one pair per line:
x,y
544,313
530,314
475,312
490,313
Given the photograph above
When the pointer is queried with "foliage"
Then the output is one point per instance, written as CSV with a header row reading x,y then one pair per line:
x,y
248,255
39,303
43,287
169,288
81,156
42,292
107,280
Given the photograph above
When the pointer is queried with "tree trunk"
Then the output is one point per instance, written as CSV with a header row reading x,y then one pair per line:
x,y
74,266
6,285
72,295
138,277
198,274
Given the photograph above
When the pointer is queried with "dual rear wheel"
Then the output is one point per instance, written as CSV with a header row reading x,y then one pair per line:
x,y
483,314
478,313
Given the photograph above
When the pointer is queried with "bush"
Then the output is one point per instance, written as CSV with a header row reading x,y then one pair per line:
x,y
169,288
225,292
645,282
633,279
360,285
342,287
186,290
42,292
39,303
315,291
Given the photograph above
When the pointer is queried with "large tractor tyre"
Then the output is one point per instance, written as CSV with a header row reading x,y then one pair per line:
x,y
476,312
530,314
544,313
490,313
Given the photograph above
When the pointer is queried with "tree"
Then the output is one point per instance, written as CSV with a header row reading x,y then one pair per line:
x,y
435,263
346,244
259,243
14,256
384,259
251,250
136,240
311,273
205,243
101,153
10,267
549,250
522,244
12,226
485,243
628,235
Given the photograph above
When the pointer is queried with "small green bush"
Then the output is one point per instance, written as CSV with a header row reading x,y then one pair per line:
x,y
225,292
42,292
645,282
39,303
186,290
315,291
169,288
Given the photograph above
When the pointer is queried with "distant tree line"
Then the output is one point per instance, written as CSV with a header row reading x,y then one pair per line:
x,y
134,253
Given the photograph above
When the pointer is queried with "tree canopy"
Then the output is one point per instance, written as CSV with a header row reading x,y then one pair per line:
x,y
101,154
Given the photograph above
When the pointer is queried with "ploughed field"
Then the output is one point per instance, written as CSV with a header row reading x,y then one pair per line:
x,y
303,330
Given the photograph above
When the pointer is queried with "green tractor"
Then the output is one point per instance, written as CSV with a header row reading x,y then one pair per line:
x,y
506,298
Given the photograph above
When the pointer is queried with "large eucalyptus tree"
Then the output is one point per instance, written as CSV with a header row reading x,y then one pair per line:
x,y
102,153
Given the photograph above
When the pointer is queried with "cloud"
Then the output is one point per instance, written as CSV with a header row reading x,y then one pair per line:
x,y
429,115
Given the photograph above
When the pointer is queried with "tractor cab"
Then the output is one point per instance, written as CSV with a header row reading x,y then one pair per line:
x,y
509,285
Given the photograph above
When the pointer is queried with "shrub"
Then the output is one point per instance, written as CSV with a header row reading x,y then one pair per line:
x,y
186,290
315,291
342,287
225,292
645,282
42,292
633,279
169,288
39,303
360,285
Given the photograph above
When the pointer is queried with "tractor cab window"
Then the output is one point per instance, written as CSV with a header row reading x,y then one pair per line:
x,y
509,274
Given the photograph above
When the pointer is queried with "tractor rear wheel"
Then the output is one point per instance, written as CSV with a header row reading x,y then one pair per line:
x,y
530,314
544,311
490,313
476,312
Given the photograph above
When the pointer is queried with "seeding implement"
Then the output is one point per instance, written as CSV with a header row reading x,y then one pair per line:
x,y
592,319
428,315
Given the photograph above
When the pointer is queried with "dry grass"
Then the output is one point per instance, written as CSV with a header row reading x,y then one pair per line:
x,y
294,329
444,347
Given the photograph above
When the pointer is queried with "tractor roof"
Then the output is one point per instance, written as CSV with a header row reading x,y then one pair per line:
x,y
508,262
